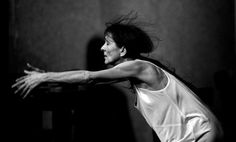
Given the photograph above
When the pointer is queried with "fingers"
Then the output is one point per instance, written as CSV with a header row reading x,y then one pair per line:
x,y
19,82
22,84
32,72
29,90
34,68
26,83
30,66
21,78
28,72
21,87
26,88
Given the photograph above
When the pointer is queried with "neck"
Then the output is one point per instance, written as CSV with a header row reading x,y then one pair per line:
x,y
121,61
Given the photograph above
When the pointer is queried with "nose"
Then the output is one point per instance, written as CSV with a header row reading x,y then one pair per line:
x,y
103,47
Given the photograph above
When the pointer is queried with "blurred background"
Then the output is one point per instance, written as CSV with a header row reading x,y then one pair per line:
x,y
197,41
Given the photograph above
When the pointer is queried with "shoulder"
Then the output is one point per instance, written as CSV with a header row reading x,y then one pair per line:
x,y
139,68
127,69
150,69
136,65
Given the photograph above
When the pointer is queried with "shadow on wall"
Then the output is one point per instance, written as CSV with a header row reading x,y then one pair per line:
x,y
95,58
103,114
219,100
225,90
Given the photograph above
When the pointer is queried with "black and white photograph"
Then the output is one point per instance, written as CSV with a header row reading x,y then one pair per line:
x,y
120,71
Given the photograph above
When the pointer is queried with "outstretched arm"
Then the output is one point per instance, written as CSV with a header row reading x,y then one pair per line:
x,y
33,78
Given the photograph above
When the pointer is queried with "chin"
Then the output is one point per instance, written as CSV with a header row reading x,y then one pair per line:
x,y
106,62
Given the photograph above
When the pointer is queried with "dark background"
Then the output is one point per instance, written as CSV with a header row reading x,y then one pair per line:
x,y
197,41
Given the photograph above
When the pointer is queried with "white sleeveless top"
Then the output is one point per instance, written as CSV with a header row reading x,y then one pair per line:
x,y
174,112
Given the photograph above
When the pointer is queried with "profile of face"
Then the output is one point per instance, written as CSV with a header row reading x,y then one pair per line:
x,y
112,53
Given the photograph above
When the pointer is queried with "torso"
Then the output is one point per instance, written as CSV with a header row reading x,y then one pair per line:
x,y
173,111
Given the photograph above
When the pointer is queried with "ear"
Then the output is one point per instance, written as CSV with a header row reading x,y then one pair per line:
x,y
123,51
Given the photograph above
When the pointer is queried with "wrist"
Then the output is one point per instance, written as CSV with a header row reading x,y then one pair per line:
x,y
45,77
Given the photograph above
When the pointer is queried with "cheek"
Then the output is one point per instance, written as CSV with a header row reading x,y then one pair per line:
x,y
111,57
113,54
110,52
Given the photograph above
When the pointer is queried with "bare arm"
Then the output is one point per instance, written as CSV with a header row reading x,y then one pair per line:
x,y
33,78
122,71
126,70
80,76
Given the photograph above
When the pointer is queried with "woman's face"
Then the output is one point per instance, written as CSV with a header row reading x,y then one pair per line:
x,y
111,50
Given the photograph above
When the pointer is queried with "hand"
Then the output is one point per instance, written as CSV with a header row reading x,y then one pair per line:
x,y
26,83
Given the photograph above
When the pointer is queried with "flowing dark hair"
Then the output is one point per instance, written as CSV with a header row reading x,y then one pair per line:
x,y
125,31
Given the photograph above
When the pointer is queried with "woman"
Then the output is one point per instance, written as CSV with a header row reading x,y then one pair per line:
x,y
173,111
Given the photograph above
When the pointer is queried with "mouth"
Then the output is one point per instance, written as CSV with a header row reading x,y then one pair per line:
x,y
104,55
